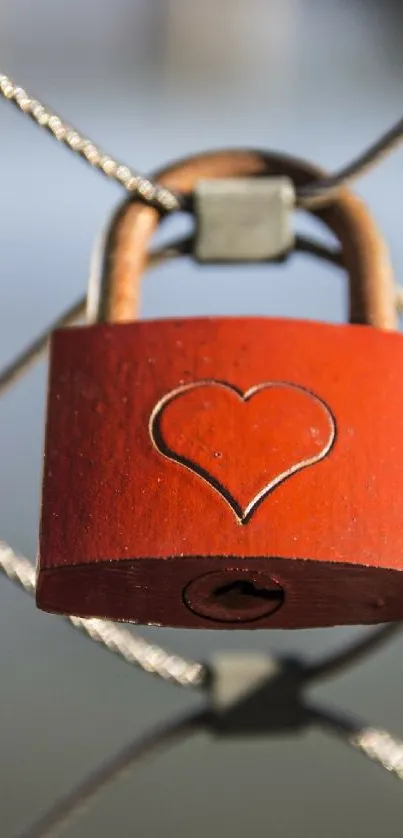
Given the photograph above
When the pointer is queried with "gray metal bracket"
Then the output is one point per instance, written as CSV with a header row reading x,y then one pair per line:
x,y
243,219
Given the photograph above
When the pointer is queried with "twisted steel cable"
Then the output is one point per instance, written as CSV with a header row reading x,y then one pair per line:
x,y
131,648
136,184
315,194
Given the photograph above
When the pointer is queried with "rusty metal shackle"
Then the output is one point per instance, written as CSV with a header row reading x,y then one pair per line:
x,y
364,252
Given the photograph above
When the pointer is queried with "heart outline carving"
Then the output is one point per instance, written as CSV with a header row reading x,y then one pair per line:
x,y
242,514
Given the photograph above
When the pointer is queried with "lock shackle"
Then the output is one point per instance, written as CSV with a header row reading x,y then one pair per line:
x,y
364,252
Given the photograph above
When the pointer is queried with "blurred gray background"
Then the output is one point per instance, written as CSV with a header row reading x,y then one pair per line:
x,y
152,80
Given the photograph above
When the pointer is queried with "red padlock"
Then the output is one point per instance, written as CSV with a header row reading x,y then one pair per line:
x,y
227,472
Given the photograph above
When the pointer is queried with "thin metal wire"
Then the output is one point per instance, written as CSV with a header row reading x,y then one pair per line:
x,y
131,648
34,351
78,800
333,664
142,187
303,244
376,744
323,190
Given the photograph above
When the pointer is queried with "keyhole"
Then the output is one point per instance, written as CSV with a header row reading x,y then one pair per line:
x,y
234,595
242,594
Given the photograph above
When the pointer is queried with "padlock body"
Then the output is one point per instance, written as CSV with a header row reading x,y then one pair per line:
x,y
224,472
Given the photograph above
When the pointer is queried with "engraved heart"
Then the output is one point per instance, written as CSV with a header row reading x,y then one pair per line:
x,y
244,444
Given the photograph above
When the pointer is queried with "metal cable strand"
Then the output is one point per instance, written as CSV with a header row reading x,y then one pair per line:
x,y
309,196
381,747
27,358
78,800
153,659
309,246
149,192
133,649
333,664
34,351
322,191
376,744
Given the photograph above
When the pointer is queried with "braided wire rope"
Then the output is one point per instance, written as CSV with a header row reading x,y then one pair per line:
x,y
73,139
131,648
314,194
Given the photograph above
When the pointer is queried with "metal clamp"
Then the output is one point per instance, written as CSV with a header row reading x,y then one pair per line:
x,y
243,219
